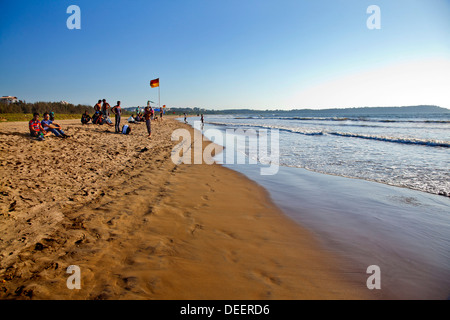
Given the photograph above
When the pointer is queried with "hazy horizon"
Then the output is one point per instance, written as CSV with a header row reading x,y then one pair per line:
x,y
212,108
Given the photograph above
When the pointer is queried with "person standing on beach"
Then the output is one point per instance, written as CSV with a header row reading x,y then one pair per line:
x,y
117,110
96,117
105,108
147,116
98,106
201,118
185,118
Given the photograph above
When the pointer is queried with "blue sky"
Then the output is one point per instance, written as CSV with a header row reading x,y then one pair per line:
x,y
259,54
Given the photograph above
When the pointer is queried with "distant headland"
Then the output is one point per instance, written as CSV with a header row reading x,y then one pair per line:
x,y
362,111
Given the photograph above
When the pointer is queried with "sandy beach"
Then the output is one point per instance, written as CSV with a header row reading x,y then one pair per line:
x,y
141,227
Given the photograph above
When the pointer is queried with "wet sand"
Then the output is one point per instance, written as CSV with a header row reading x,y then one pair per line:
x,y
404,232
141,227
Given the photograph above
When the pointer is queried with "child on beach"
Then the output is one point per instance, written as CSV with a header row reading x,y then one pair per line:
x,y
117,110
50,126
36,129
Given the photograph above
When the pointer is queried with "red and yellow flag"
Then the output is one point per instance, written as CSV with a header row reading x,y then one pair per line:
x,y
154,83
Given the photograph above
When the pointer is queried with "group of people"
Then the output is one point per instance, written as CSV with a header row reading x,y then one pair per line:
x,y
140,115
102,110
146,117
41,129
102,116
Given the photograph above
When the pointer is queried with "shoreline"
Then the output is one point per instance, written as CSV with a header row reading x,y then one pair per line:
x,y
364,222
429,160
148,231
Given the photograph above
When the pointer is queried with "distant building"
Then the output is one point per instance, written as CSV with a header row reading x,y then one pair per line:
x,y
64,102
8,99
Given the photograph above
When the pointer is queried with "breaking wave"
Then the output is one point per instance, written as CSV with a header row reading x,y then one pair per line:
x,y
310,132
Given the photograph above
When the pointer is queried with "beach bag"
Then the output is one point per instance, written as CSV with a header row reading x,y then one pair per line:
x,y
126,129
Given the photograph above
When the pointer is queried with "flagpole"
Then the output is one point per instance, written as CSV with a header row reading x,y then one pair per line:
x,y
159,97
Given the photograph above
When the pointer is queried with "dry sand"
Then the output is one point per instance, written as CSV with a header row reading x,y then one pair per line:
x,y
141,227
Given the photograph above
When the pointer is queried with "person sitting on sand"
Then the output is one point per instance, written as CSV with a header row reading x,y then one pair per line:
x,y
85,118
131,119
36,128
137,118
97,118
52,127
100,119
107,120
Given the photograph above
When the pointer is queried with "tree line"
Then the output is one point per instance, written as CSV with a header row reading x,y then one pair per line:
x,y
41,107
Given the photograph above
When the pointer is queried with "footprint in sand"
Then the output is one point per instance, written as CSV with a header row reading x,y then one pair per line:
x,y
196,227
266,277
232,256
187,214
153,284
211,189
227,234
149,212
130,283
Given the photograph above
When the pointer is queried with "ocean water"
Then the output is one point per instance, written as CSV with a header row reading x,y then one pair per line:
x,y
373,189
403,150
